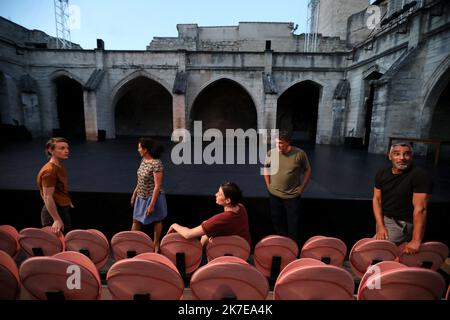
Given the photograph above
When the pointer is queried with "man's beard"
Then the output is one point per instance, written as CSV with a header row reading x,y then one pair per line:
x,y
403,166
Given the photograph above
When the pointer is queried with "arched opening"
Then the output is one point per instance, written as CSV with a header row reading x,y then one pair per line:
x,y
224,104
143,108
440,128
70,106
369,93
297,111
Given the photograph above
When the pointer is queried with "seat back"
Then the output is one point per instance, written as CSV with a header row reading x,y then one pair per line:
x,y
367,251
185,254
327,249
311,279
228,277
390,280
227,246
146,276
92,243
41,242
127,244
9,240
9,277
274,246
67,275
431,255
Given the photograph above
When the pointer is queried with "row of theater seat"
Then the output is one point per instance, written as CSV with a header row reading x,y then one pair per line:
x,y
318,274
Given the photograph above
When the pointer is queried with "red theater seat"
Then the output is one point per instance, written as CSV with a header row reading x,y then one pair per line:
x,y
185,254
227,246
273,253
390,280
149,276
431,255
57,277
367,252
91,243
326,249
311,279
41,242
9,240
9,277
228,278
127,244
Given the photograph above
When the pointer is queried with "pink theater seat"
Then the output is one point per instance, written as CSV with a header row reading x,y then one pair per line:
x,y
273,253
9,277
9,240
327,249
311,279
227,246
41,242
431,255
91,243
390,280
447,296
369,251
228,278
127,244
146,276
185,254
47,278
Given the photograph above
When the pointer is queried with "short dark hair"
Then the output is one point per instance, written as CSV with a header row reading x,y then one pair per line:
x,y
232,192
153,147
285,136
51,144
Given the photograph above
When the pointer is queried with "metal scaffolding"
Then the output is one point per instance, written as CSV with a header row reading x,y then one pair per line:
x,y
62,16
312,26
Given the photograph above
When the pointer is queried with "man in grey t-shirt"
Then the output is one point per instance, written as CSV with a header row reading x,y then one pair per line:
x,y
286,185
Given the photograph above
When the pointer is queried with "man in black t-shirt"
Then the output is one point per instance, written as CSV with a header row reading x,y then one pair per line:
x,y
400,199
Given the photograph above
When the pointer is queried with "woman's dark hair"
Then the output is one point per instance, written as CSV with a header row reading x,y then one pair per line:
x,y
232,192
51,144
153,147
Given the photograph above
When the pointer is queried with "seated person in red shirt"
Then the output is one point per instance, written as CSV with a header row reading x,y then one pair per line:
x,y
232,221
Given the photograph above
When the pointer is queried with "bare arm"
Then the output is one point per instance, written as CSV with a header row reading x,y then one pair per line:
x,y
158,177
420,203
382,233
186,232
306,178
50,204
133,196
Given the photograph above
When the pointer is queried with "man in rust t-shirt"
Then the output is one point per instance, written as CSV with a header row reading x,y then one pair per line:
x,y
52,183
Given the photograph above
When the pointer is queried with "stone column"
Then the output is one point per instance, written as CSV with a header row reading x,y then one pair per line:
x,y
179,111
179,93
31,113
338,120
378,137
90,115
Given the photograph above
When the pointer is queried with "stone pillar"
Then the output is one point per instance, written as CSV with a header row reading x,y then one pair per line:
x,y
179,93
379,139
90,115
31,113
338,121
270,111
179,111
